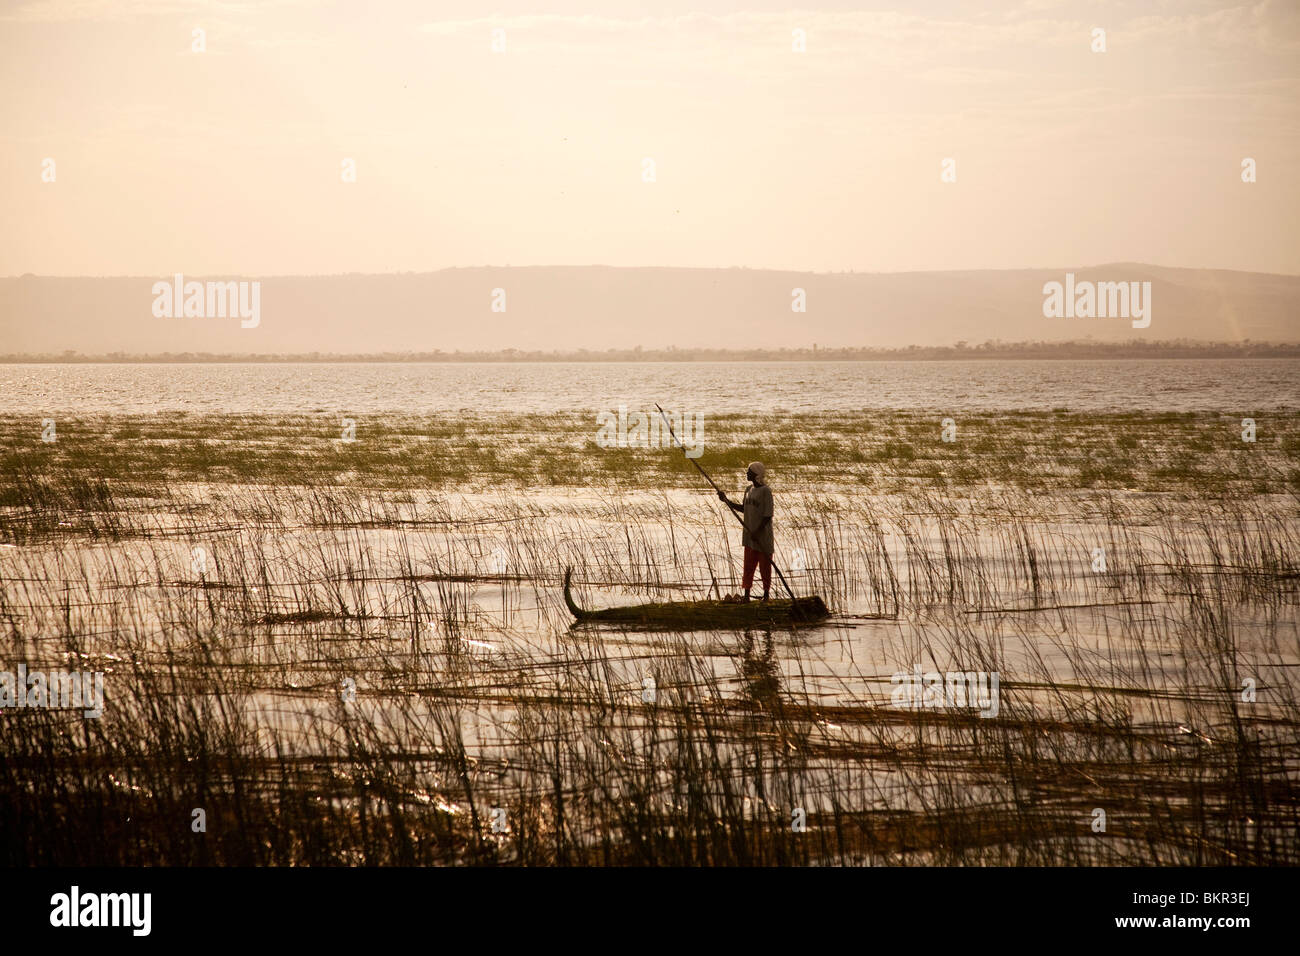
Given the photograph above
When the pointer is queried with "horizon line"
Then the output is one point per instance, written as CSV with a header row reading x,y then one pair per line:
x,y
598,265
673,354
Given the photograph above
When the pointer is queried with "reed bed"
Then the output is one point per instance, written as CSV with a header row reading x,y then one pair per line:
x,y
897,452
340,671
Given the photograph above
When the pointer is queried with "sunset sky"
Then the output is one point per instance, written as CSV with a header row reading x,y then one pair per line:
x,y
229,161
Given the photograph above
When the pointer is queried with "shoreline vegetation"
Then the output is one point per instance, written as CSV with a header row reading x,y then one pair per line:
x,y
1189,454
347,661
959,351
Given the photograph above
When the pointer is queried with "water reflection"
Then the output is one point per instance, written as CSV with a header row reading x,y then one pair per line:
x,y
758,667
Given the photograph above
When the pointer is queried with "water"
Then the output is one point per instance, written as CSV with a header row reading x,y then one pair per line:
x,y
1233,385
1119,676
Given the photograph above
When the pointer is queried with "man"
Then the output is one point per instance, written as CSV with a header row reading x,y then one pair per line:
x,y
757,539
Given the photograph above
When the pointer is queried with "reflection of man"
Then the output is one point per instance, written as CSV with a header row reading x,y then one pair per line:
x,y
757,539
761,679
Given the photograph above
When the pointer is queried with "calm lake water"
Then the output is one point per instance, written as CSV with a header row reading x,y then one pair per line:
x,y
1231,385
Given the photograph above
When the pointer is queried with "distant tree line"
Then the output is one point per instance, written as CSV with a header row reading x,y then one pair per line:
x,y
1139,348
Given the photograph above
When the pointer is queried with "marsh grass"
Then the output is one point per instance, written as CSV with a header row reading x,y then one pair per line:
x,y
894,452
380,565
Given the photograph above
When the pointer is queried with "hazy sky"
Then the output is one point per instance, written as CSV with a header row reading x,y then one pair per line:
x,y
229,161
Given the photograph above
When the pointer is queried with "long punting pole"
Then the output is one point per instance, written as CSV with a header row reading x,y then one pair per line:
x,y
701,470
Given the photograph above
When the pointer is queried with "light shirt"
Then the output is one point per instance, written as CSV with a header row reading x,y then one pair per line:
x,y
758,505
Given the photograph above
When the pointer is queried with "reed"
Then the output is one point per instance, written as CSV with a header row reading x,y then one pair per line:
x,y
1123,689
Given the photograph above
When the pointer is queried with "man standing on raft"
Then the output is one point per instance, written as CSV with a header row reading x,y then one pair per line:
x,y
757,539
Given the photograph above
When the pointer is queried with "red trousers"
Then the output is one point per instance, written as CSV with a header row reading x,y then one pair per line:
x,y
763,562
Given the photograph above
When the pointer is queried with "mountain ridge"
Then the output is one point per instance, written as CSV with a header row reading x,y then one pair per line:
x,y
600,307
